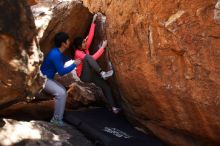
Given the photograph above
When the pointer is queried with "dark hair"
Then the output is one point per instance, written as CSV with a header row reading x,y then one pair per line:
x,y
60,37
78,42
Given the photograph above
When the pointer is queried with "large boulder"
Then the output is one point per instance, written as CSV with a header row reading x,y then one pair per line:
x,y
39,133
80,93
29,111
70,17
32,2
51,17
75,19
105,60
166,58
20,56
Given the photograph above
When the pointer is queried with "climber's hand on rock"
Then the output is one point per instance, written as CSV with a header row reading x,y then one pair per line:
x,y
85,40
94,18
99,13
104,43
100,45
99,16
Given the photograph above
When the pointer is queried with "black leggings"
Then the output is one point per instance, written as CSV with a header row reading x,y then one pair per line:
x,y
89,64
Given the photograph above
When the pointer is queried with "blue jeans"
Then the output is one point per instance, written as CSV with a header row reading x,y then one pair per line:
x,y
56,89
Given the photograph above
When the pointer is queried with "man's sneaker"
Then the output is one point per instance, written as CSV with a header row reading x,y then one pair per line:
x,y
57,122
106,75
116,110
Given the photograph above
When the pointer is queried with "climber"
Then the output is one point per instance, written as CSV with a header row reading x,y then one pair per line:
x,y
89,64
53,63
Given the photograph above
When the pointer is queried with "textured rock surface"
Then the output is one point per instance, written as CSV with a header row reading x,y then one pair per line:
x,y
19,55
23,111
32,2
166,57
39,133
71,17
80,92
100,35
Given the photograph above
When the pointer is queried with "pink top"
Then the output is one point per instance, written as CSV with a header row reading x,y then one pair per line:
x,y
81,54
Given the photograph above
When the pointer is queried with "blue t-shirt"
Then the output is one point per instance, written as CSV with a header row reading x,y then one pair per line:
x,y
54,62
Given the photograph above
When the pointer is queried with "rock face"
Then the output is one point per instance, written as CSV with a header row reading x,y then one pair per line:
x,y
39,133
166,57
47,16
71,17
29,111
105,60
19,55
80,93
32,2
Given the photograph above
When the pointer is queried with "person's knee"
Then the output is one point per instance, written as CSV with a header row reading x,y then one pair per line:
x,y
88,57
106,87
62,93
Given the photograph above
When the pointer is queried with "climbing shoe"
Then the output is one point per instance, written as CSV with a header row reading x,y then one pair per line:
x,y
106,75
57,122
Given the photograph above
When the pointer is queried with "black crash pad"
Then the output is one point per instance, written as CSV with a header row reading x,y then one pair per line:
x,y
108,129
